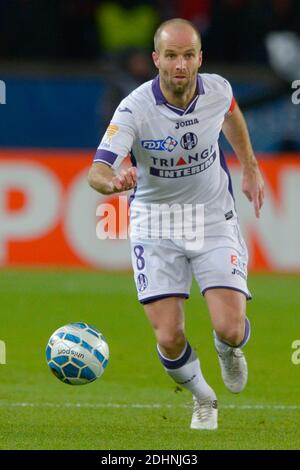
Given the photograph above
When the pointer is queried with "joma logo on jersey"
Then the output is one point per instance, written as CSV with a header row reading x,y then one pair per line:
x,y
189,122
167,144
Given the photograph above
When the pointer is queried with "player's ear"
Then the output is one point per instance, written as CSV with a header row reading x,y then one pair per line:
x,y
200,59
155,57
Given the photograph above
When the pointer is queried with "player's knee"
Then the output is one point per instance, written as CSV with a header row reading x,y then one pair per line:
x,y
171,342
232,335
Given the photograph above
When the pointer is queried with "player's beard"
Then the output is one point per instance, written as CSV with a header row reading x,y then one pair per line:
x,y
179,89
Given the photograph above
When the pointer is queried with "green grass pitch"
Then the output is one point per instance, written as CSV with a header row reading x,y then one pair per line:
x,y
135,405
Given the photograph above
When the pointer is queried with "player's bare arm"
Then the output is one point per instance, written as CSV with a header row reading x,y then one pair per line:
x,y
236,132
103,179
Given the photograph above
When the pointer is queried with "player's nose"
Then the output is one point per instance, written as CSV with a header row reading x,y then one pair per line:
x,y
180,65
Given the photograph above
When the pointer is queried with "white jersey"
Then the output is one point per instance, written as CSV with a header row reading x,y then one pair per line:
x,y
176,151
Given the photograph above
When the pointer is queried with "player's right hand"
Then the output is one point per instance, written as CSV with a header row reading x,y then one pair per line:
x,y
125,180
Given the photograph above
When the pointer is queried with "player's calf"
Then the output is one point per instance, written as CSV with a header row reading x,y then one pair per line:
x,y
231,333
171,344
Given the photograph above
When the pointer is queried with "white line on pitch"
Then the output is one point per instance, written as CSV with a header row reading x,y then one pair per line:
x,y
141,405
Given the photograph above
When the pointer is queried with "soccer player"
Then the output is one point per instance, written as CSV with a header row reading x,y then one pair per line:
x,y
171,126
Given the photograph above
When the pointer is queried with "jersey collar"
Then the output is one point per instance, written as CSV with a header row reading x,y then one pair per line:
x,y
160,99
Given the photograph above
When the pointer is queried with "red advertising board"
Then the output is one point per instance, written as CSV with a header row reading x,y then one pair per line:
x,y
48,213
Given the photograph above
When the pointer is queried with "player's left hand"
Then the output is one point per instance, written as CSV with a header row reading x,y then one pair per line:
x,y
253,187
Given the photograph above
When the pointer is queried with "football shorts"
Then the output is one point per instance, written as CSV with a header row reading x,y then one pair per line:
x,y
165,267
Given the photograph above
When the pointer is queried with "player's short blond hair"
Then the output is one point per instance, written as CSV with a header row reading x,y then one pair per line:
x,y
174,21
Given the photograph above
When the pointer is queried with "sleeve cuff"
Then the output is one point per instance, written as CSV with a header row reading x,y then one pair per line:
x,y
104,156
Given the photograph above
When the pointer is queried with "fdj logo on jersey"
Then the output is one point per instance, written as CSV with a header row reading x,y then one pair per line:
x,y
167,144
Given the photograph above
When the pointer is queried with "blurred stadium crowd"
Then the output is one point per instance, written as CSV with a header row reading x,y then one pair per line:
x,y
253,43
232,30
